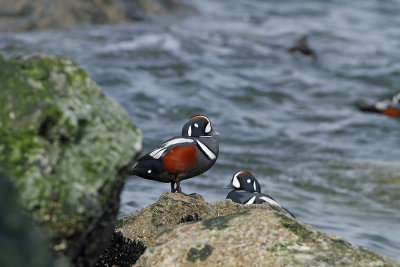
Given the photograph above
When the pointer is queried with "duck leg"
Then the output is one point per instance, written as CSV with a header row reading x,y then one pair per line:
x,y
178,185
173,190
179,190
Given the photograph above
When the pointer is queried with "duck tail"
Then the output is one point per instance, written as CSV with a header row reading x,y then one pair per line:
x,y
369,108
291,214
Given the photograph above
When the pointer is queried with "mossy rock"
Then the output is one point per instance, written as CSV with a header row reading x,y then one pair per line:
x,y
66,147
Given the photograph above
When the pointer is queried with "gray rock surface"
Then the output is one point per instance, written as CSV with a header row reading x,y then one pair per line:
x,y
231,234
146,224
66,147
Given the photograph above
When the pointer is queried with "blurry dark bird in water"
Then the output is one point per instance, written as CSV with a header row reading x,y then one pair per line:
x,y
301,46
388,107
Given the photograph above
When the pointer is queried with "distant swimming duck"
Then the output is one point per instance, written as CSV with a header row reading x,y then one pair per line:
x,y
181,157
387,107
301,46
247,190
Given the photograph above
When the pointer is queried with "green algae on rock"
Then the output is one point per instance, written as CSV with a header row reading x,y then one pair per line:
x,y
66,147
199,253
231,234
221,222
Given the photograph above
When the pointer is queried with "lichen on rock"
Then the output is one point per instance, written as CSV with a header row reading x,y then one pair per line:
x,y
221,222
199,253
66,146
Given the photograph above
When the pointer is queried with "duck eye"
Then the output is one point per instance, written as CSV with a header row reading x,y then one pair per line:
x,y
149,171
248,181
196,125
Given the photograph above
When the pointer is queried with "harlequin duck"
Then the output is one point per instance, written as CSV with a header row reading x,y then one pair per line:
x,y
301,46
181,157
387,107
247,190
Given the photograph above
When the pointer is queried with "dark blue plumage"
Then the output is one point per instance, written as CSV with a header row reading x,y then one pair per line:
x,y
247,190
181,157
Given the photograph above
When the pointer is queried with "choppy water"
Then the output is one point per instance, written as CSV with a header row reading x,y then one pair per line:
x,y
289,120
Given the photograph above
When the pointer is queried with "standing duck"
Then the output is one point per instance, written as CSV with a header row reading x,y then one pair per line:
x,y
181,157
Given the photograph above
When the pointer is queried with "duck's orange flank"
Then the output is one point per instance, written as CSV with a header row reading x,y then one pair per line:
x,y
180,159
392,112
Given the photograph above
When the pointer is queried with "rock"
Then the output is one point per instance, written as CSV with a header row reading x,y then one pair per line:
x,y
159,7
22,243
231,234
66,147
20,15
121,252
173,208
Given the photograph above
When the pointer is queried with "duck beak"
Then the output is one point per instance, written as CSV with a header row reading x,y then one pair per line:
x,y
229,186
214,132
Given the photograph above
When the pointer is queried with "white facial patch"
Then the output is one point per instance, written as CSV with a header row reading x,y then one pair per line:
x,y
270,201
149,171
248,181
235,182
255,186
206,150
196,125
190,130
251,200
157,153
208,127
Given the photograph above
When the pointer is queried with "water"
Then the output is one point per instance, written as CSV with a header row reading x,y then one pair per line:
x,y
291,121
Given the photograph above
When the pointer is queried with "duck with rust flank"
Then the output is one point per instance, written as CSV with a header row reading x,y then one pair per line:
x,y
181,157
388,107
